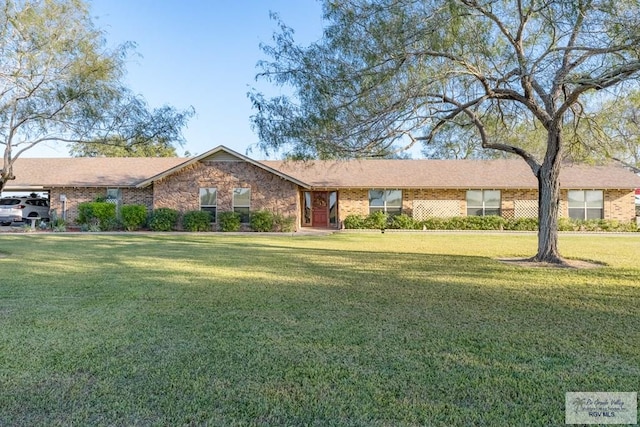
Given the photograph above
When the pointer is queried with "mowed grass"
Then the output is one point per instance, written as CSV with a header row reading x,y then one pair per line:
x,y
349,329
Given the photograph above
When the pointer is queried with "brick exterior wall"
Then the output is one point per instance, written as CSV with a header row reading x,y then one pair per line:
x,y
356,201
352,202
75,196
618,204
180,190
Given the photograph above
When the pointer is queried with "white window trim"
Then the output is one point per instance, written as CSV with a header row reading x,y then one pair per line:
x,y
384,202
233,199
215,217
584,207
484,203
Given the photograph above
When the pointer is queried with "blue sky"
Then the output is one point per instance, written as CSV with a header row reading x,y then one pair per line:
x,y
200,53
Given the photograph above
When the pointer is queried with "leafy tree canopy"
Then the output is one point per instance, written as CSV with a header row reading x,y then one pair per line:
x,y
60,83
159,141
403,72
617,130
121,148
398,72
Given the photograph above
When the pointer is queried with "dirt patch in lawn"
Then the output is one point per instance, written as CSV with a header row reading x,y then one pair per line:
x,y
569,263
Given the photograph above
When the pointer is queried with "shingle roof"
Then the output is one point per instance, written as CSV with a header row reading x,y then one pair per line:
x,y
88,171
131,172
448,174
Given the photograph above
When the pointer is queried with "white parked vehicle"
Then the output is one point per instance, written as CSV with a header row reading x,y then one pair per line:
x,y
19,209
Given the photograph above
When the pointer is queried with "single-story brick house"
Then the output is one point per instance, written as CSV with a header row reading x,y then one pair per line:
x,y
323,193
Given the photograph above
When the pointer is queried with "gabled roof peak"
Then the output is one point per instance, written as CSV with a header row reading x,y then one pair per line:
x,y
220,153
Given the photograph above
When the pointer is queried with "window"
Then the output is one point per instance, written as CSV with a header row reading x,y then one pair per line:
x,y
333,208
306,208
483,202
387,201
114,195
209,201
586,204
242,203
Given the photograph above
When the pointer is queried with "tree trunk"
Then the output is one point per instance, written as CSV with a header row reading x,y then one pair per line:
x,y
549,202
4,178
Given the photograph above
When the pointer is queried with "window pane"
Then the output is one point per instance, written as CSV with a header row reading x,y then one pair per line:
x,y
244,214
594,198
391,211
208,197
394,198
474,198
242,197
492,199
114,194
211,210
333,207
474,212
594,213
376,198
576,213
307,207
576,198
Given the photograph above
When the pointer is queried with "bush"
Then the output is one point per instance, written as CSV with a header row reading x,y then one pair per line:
x,y
229,221
491,222
376,221
522,224
163,219
433,223
566,224
285,224
133,216
354,222
197,221
58,225
612,225
261,221
98,215
403,222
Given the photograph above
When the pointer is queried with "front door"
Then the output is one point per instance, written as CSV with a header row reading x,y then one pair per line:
x,y
320,209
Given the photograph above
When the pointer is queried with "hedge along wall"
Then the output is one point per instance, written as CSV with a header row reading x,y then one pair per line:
x,y
75,196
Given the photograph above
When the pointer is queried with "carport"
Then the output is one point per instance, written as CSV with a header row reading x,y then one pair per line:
x,y
39,200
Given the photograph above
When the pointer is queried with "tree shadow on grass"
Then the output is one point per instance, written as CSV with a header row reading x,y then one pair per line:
x,y
294,335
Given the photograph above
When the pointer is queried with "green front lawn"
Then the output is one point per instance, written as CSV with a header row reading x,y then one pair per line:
x,y
348,329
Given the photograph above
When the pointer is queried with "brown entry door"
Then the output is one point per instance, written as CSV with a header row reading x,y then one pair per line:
x,y
320,209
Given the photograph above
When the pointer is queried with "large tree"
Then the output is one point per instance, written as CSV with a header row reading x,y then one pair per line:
x,y
610,130
59,83
390,71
